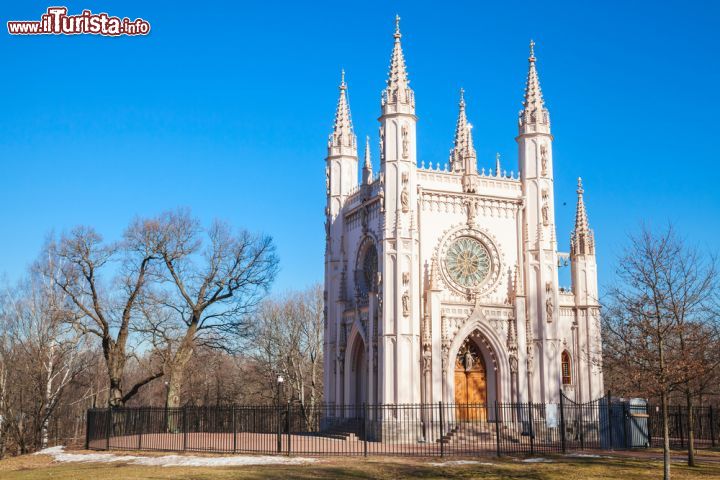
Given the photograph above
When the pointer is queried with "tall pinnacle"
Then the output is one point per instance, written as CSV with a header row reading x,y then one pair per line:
x,y
534,112
398,92
462,155
582,240
367,166
343,136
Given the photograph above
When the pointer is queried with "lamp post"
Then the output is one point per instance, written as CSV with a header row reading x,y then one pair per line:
x,y
280,381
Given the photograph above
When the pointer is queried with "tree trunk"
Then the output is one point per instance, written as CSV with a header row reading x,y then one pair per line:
x,y
666,436
115,359
49,367
177,369
691,429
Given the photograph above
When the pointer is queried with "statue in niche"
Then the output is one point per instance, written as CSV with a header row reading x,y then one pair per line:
x,y
404,132
382,144
406,278
543,160
405,200
513,364
427,358
406,304
545,215
364,217
471,212
327,180
549,308
468,360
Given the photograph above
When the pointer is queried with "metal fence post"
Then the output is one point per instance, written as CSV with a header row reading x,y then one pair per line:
x,y
610,423
649,424
680,426
185,428
497,428
87,428
442,440
365,420
712,428
279,433
234,428
532,429
625,423
139,426
562,422
107,428
287,421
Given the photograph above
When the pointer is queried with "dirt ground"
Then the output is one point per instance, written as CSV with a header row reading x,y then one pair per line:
x,y
591,466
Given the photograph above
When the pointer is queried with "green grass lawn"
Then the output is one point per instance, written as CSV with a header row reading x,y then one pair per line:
x,y
562,468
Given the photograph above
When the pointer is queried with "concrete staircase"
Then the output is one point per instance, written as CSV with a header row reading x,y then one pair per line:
x,y
469,432
348,430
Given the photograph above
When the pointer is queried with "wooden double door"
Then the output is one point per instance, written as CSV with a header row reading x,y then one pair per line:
x,y
470,384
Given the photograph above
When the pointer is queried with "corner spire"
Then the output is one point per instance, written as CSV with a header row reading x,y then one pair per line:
x,y
582,240
534,117
343,136
367,166
398,96
462,155
497,164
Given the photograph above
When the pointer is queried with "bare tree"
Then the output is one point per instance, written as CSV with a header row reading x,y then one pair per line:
x,y
663,293
106,309
45,354
287,340
214,278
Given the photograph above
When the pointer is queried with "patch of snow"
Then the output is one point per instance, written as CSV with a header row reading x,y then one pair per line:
x,y
59,455
584,455
459,462
537,460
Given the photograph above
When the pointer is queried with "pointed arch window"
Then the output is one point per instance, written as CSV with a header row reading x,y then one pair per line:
x,y
566,368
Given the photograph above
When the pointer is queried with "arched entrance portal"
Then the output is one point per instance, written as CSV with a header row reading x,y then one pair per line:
x,y
470,382
358,394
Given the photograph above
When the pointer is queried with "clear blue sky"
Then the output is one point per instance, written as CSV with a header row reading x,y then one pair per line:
x,y
225,108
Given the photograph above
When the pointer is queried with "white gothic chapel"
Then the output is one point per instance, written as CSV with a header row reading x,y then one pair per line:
x,y
441,284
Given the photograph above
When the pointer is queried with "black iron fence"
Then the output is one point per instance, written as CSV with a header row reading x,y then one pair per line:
x,y
424,430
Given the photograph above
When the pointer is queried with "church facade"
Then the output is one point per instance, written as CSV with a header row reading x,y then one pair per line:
x,y
441,283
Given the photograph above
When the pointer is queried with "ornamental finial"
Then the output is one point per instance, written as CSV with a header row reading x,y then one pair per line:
x,y
462,96
343,86
397,26
580,190
532,51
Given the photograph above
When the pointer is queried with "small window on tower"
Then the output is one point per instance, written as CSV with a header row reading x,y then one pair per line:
x,y
566,376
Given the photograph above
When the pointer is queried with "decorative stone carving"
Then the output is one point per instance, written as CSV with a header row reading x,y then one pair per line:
x,y
471,212
513,364
406,304
382,144
545,215
405,141
549,308
406,278
543,160
490,280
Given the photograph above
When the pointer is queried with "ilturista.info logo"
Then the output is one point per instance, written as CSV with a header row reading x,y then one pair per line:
x,y
57,22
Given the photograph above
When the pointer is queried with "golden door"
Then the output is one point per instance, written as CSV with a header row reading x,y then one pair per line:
x,y
470,387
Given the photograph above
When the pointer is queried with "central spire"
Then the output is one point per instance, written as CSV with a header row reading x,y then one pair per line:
x,y
367,166
582,241
462,155
534,114
343,136
398,93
